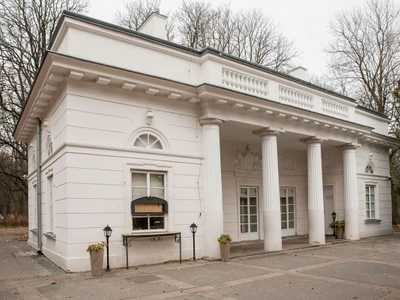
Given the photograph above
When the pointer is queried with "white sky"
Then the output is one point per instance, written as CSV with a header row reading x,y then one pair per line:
x,y
304,21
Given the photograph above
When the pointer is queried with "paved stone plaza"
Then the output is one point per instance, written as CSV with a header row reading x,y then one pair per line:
x,y
367,269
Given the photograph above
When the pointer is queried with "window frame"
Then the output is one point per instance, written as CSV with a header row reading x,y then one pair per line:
x,y
50,198
287,188
367,195
34,207
148,216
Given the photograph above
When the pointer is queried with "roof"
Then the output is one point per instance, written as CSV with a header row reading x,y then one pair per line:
x,y
193,51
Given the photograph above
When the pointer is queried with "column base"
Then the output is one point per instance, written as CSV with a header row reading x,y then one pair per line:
x,y
316,226
272,230
213,228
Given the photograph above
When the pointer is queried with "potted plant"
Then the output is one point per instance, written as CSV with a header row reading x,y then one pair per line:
x,y
339,228
96,251
225,246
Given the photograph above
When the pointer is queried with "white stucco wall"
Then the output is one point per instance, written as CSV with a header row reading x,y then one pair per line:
x,y
100,126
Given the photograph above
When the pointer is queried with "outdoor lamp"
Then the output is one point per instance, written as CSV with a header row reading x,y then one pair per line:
x,y
107,233
334,218
193,230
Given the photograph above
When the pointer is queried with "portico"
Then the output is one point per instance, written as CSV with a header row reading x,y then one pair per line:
x,y
319,162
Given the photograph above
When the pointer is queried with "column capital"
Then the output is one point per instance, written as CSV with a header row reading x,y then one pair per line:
x,y
312,140
210,121
349,146
268,131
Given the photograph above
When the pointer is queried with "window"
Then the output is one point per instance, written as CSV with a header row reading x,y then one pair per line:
x,y
34,208
148,206
148,141
287,209
370,201
248,204
369,169
51,205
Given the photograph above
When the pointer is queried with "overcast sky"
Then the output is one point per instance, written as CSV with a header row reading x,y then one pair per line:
x,y
304,21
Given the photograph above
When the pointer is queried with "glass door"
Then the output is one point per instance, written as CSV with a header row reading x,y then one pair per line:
x,y
287,211
248,216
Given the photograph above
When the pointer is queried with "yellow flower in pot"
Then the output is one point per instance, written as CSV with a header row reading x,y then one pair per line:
x,y
225,246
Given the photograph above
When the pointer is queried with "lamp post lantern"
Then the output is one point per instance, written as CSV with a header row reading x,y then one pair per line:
x,y
193,230
334,219
107,233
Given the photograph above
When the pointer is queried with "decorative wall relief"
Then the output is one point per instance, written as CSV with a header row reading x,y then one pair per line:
x,y
246,160
286,163
327,162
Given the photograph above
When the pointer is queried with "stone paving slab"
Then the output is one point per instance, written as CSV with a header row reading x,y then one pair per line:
x,y
212,273
112,288
389,257
337,251
365,272
283,261
291,287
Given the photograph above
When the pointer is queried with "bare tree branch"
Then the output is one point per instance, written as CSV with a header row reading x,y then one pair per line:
x,y
25,30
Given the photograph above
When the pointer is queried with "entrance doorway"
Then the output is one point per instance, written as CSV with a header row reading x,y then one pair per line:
x,y
248,213
328,207
288,211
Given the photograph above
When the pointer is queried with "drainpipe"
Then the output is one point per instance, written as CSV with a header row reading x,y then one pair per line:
x,y
39,183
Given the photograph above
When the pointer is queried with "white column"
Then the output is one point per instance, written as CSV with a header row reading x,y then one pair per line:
x,y
351,230
212,210
316,215
270,179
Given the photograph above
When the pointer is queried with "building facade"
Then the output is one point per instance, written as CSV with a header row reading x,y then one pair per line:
x,y
126,129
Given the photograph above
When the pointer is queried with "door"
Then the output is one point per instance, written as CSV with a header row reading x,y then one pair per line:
x,y
248,213
288,211
328,208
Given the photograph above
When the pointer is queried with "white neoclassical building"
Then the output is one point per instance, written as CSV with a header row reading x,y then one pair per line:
x,y
127,129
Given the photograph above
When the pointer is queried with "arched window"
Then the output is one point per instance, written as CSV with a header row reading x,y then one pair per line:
x,y
148,141
369,169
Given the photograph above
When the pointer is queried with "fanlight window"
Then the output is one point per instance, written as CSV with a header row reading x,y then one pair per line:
x,y
369,169
148,141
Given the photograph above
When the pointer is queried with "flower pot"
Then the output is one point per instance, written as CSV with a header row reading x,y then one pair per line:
x,y
339,232
225,249
96,262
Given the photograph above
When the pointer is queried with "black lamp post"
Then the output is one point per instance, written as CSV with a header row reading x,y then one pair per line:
x,y
107,233
193,229
334,219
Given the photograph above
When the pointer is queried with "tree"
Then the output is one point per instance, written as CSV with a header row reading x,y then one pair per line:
x,y
25,30
395,160
249,34
365,64
136,12
365,53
